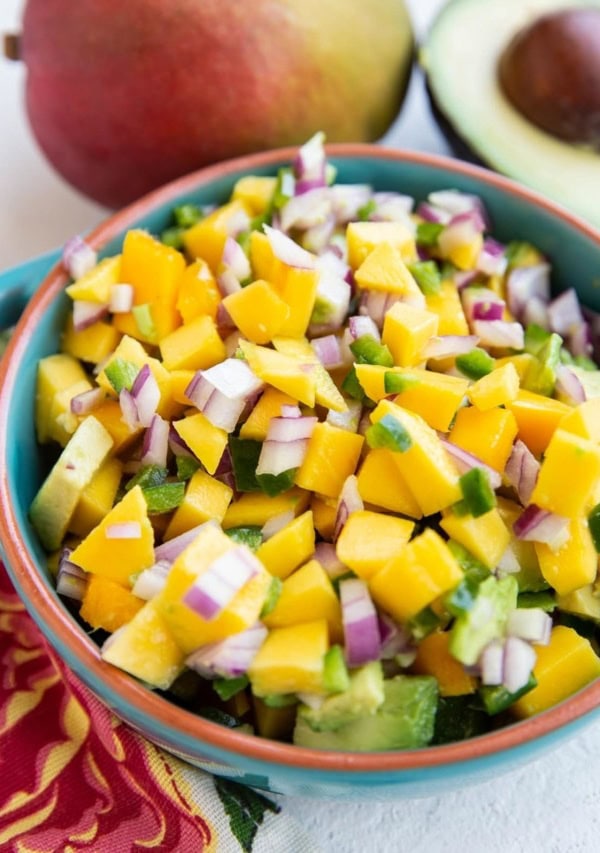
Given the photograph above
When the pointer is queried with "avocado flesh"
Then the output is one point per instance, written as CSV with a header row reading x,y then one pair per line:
x,y
460,57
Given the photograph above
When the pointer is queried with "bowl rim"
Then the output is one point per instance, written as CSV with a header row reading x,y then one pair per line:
x,y
55,621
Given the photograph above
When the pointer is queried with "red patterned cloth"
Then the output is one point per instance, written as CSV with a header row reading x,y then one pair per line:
x,y
73,777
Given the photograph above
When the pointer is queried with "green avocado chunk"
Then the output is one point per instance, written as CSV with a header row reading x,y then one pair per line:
x,y
405,720
365,694
485,620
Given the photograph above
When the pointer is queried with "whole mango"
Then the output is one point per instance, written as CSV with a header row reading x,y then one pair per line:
x,y
124,96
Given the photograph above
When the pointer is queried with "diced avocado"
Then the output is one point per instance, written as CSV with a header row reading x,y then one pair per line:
x,y
474,628
57,499
582,602
365,694
541,376
405,720
458,718
335,672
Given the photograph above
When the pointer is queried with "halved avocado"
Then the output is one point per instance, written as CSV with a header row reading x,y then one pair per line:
x,y
461,56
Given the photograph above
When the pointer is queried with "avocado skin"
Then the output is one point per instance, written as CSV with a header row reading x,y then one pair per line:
x,y
459,146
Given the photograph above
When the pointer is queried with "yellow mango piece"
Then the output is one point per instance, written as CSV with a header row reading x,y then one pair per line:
x,y
254,509
118,559
574,564
108,605
281,371
255,191
326,392
583,420
486,537
463,255
562,668
269,406
289,547
307,594
93,344
96,284
568,458
262,260
331,457
383,269
55,373
423,570
523,362
537,418
154,270
291,660
324,512
145,648
363,237
380,483
188,628
111,417
97,498
180,379
434,658
369,540
406,330
198,294
497,388
426,467
448,307
195,346
257,311
62,421
206,239
584,601
488,435
298,289
205,498
205,440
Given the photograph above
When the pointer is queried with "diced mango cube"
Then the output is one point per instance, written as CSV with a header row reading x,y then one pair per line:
x,y
383,269
537,417
289,547
326,392
298,289
423,570
269,406
406,330
574,564
562,668
324,512
109,605
205,440
180,380
307,594
363,237
195,346
145,648
281,371
110,415
486,537
331,457
254,509
62,421
434,658
92,344
583,420
369,540
568,458
257,311
205,498
207,238
97,498
381,484
488,435
291,660
462,253
447,305
55,373
497,388
96,284
255,191
198,294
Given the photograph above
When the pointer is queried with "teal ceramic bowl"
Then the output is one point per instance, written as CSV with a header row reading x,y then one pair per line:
x,y
574,249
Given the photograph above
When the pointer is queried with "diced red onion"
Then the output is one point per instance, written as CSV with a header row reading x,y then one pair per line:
x,y
310,164
85,313
288,251
499,333
231,657
522,471
481,303
232,343
219,584
360,325
327,350
394,640
124,530
87,401
224,472
128,408
121,298
525,283
237,223
462,230
276,523
349,501
508,563
564,312
332,260
333,295
432,213
580,341
347,420
178,446
156,442
447,346
361,627
291,428
228,283
151,581
71,580
224,321
326,555
491,663
569,386
348,199
146,393
519,660
492,260
535,311
290,412
312,207
466,461
279,456
456,203
221,392
538,525
465,278
393,207
172,548
235,259
376,303
317,237
531,624
78,257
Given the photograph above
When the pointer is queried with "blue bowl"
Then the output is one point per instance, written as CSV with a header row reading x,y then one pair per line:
x,y
574,249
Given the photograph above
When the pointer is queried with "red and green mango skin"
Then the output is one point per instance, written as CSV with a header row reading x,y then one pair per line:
x,y
123,97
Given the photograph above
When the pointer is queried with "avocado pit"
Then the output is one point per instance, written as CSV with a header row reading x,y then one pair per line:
x,y
550,72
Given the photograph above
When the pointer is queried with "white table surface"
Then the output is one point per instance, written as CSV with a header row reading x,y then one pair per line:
x,y
551,805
